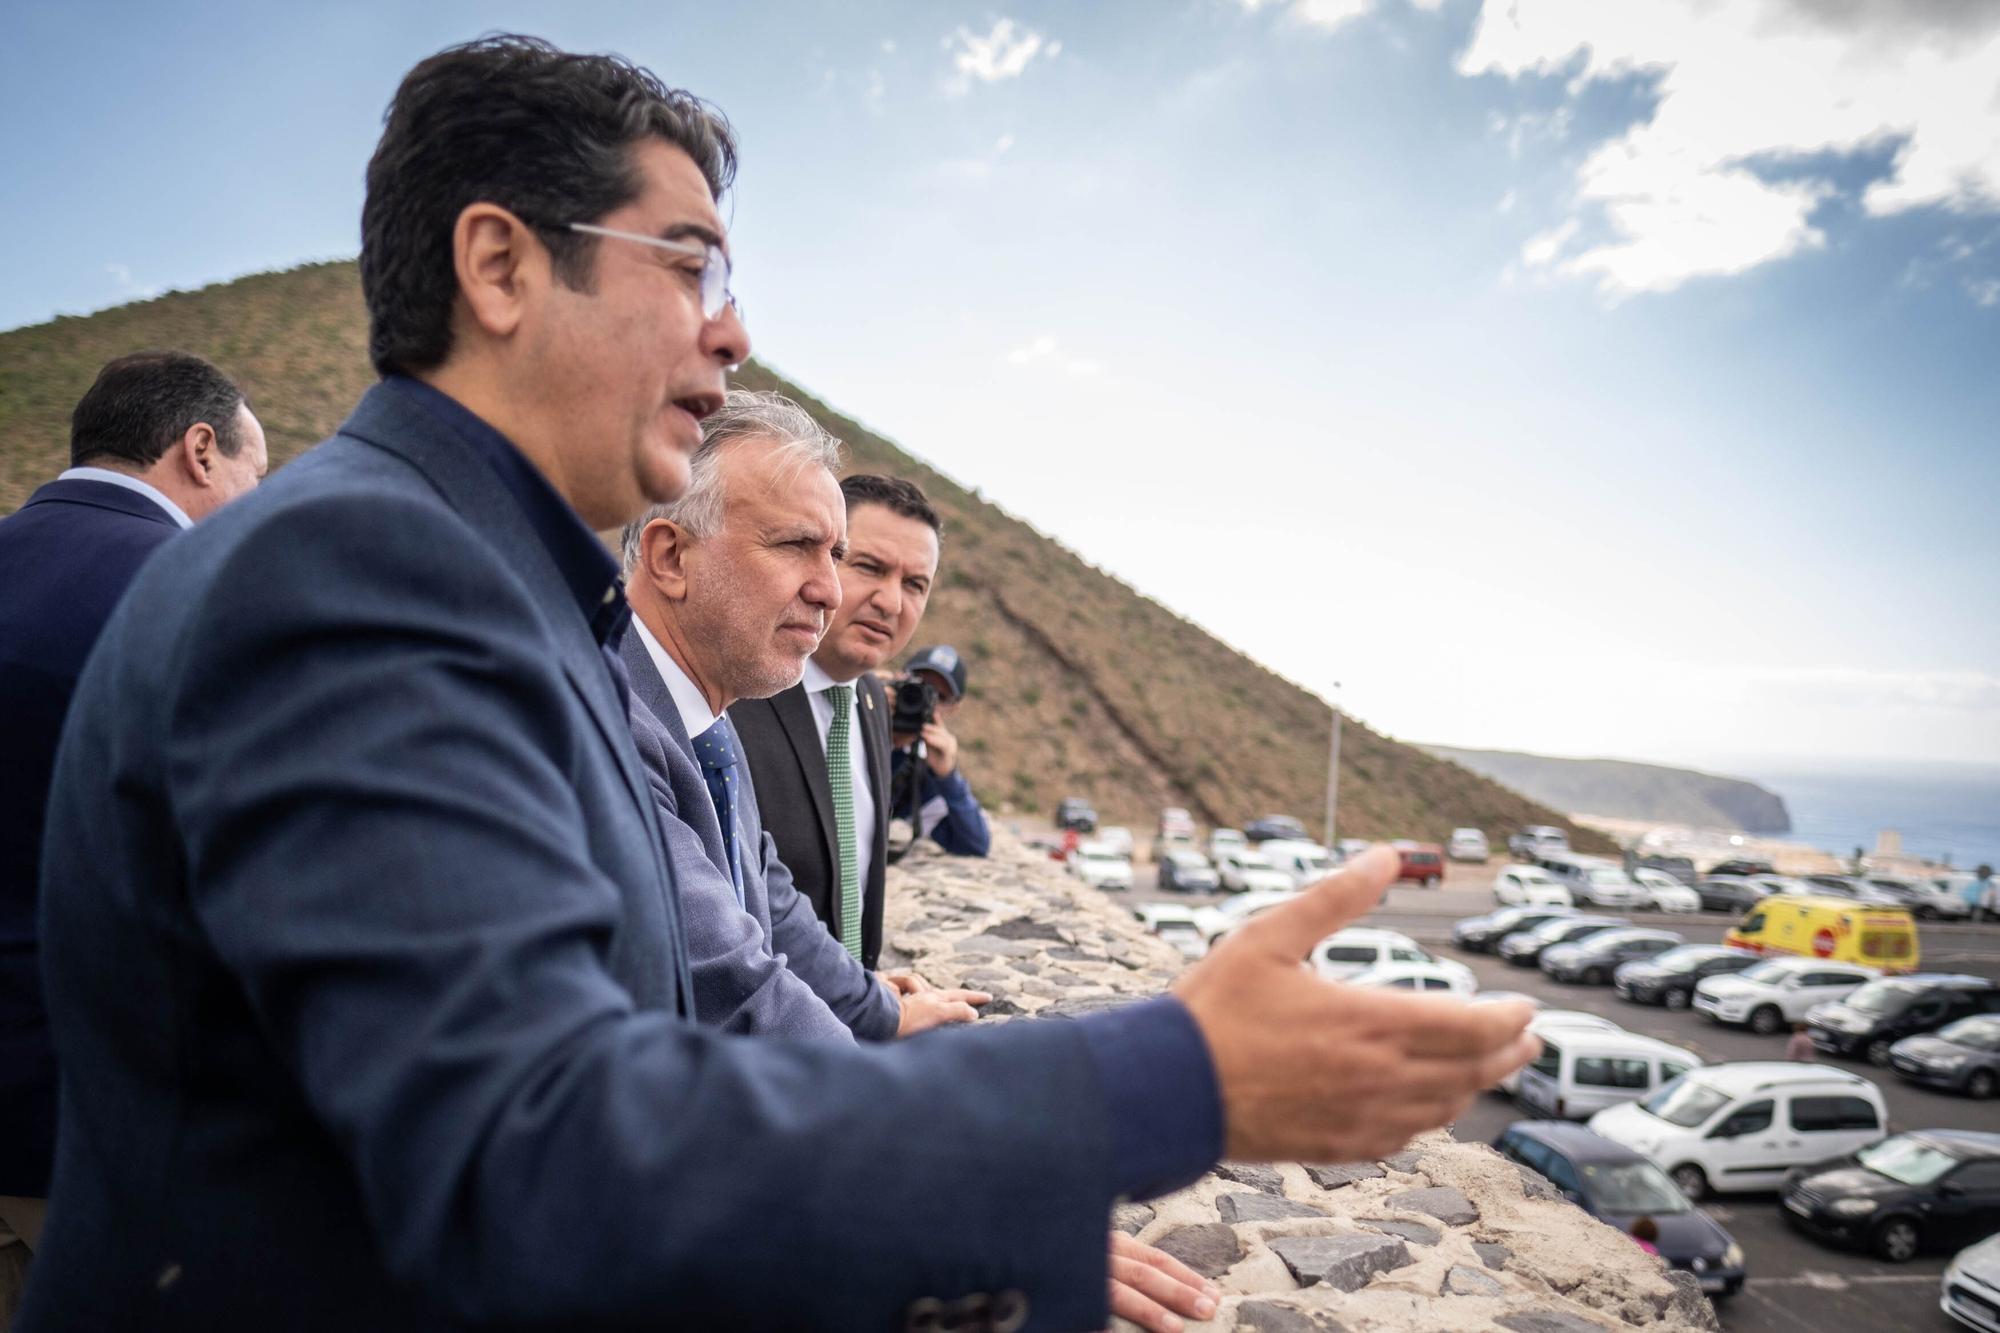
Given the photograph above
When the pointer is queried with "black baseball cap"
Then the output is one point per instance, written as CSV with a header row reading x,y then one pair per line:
x,y
945,661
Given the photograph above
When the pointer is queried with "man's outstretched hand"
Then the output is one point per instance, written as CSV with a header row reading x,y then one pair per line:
x,y
1155,1290
1313,1071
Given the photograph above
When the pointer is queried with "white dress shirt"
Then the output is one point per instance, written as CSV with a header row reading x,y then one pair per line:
x,y
130,483
817,683
695,713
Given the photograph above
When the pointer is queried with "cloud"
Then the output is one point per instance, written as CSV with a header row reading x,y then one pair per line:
x,y
1004,53
1328,15
122,275
1689,191
977,169
1985,292
1043,349
1838,688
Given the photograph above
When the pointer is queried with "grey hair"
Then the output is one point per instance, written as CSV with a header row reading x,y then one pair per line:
x,y
745,414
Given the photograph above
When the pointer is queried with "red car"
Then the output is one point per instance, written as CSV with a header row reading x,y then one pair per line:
x,y
1423,863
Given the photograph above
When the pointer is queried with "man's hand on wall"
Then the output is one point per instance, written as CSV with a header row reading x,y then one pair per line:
x,y
933,1008
1314,1071
1153,1289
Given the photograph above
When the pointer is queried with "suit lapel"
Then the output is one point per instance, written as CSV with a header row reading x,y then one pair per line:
x,y
794,711
875,748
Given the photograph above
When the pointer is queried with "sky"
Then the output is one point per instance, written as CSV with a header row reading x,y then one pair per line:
x,y
1584,378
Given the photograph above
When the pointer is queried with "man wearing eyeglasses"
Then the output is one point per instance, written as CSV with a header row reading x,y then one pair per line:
x,y
363,957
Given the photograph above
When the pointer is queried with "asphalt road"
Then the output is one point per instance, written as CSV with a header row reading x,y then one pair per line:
x,y
1795,1285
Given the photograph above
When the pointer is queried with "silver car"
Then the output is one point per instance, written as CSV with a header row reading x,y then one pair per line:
x,y
1970,1292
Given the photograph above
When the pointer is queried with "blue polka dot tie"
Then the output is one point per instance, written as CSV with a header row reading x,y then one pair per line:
x,y
716,751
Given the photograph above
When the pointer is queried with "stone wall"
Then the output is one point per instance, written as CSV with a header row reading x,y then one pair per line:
x,y
1443,1236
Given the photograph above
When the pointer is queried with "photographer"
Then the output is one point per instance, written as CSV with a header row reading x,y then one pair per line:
x,y
941,806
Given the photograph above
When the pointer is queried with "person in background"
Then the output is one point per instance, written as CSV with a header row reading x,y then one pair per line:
x,y
1799,1046
1646,1232
159,440
1982,896
946,811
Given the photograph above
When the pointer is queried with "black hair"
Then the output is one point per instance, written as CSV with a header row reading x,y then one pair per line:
x,y
139,405
513,121
892,493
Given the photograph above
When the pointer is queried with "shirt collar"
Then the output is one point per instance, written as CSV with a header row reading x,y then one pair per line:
x,y
817,681
130,483
587,569
689,701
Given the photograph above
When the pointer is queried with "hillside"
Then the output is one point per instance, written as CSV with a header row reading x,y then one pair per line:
x,y
1079,683
1630,791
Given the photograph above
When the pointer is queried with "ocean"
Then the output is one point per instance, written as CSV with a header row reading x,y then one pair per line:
x,y
1942,811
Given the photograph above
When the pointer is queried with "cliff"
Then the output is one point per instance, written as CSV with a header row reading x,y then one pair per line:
x,y
1625,790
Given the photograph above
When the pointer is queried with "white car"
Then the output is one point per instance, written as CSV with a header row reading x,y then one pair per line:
x,y
1667,893
1175,924
1100,866
1557,1020
1970,1290
1742,1126
1583,1070
1350,952
1225,840
1774,994
1245,870
1442,975
1300,862
1217,921
1927,899
1609,886
1529,886
1117,838
1467,844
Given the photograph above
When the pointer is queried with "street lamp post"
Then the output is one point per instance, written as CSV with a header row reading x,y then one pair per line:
x,y
1333,770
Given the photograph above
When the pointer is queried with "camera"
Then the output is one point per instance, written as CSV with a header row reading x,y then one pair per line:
x,y
912,706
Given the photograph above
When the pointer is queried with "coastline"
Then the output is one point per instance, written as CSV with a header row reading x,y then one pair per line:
x,y
1708,845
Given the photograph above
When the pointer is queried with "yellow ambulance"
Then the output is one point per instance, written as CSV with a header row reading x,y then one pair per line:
x,y
1832,928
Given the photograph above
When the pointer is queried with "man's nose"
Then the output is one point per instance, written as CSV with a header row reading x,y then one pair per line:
x,y
724,338
822,590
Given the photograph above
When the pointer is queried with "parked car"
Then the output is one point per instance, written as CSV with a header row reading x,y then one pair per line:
x,y
1594,958
1422,863
1077,813
1853,888
1732,1127
1610,886
1351,952
1669,979
1184,870
1798,888
1100,866
1467,844
1569,868
1244,870
1874,1018
1878,937
1225,840
1174,924
1532,841
1348,848
1275,826
1680,867
1664,893
1176,824
1929,1190
1734,895
1225,916
1441,975
1777,992
1480,934
1547,1021
1964,1057
1517,884
1742,866
1118,838
1611,1182
1581,1071
1926,899
1301,862
1970,1289
1524,948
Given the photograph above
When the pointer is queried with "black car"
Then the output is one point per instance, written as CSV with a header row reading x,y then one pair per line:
x,y
1077,813
1670,978
1934,1189
1187,871
1524,948
1481,934
1611,1182
1593,961
1730,893
1964,1057
1272,827
1872,1019
1740,867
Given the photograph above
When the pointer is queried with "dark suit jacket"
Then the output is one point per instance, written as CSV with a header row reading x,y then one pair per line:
x,y
68,556
788,767
368,989
765,967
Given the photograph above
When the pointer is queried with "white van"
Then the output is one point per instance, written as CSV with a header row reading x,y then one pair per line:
x,y
1583,1070
1303,862
1742,1126
1552,1020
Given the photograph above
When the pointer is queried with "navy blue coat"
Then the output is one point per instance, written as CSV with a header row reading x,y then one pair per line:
x,y
368,989
66,557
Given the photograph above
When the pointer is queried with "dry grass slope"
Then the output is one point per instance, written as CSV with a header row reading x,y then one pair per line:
x,y
1080,683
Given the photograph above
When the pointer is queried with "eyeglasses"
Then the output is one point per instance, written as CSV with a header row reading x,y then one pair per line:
x,y
715,293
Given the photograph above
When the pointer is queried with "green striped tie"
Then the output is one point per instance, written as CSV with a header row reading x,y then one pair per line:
x,y
840,779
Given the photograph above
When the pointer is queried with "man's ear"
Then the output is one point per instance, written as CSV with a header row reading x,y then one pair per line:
x,y
194,455
664,551
499,266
